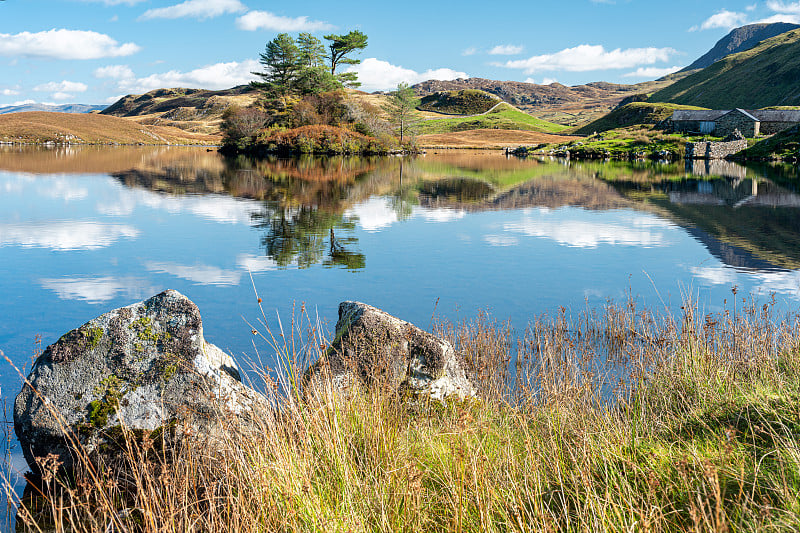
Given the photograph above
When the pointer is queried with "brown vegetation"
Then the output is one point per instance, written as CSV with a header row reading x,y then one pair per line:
x,y
487,139
75,128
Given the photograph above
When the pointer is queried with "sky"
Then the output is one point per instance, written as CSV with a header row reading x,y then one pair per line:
x,y
95,51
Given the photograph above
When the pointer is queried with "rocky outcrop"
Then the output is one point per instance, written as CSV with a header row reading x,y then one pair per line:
x,y
375,349
143,367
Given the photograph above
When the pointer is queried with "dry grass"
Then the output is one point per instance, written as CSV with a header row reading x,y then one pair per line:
x,y
488,139
616,419
91,128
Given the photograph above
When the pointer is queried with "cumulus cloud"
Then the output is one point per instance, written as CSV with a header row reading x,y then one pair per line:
x,y
9,92
588,57
63,44
781,7
651,72
60,97
723,19
781,17
62,86
199,9
377,75
505,50
264,20
216,76
117,72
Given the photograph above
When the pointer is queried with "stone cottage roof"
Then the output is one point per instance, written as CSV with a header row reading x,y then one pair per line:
x,y
700,115
743,112
776,115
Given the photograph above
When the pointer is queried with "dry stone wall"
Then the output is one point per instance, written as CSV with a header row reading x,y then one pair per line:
x,y
714,150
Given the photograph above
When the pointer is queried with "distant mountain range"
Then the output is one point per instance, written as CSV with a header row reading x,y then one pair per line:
x,y
64,108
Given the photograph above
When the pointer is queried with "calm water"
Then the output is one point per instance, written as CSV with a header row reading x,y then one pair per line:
x,y
85,230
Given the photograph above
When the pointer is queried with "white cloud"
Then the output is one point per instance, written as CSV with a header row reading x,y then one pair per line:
x,y
588,57
60,97
506,50
723,19
549,81
197,273
9,92
97,290
376,75
113,99
70,235
200,9
781,17
715,275
117,72
63,44
24,102
216,76
780,7
439,214
264,20
471,51
751,7
651,72
62,86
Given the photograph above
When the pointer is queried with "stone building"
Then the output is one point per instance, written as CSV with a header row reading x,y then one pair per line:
x,y
723,122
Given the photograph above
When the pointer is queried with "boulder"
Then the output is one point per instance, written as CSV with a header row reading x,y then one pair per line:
x,y
144,367
373,348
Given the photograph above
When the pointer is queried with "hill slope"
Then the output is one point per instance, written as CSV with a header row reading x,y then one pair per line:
x,y
739,40
193,110
41,126
502,116
632,114
766,75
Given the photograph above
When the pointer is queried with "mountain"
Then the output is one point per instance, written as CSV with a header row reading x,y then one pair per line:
x,y
555,102
765,75
64,108
739,40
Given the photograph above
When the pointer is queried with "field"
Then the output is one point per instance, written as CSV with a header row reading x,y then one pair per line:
x,y
41,127
503,116
488,139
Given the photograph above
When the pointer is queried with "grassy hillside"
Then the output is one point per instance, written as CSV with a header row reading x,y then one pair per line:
x,y
41,126
504,117
766,75
466,102
782,145
632,114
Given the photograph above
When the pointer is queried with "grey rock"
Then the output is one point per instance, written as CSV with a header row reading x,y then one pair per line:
x,y
144,367
373,348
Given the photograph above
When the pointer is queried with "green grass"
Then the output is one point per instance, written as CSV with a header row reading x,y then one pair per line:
x,y
765,75
703,435
782,145
632,114
465,102
503,117
633,142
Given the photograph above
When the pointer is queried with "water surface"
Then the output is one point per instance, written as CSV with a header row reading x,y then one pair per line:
x,y
85,230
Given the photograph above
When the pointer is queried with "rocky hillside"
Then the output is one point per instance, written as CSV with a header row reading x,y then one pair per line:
x,y
555,102
193,110
466,102
766,75
632,114
740,40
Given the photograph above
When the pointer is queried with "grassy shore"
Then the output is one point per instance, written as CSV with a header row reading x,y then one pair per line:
x,y
615,419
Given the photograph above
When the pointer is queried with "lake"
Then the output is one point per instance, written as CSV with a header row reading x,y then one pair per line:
x,y
442,236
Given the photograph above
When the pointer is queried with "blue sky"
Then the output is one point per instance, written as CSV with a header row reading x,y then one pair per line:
x,y
94,51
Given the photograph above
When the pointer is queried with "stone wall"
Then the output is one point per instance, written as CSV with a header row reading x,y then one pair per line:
x,y
714,150
735,120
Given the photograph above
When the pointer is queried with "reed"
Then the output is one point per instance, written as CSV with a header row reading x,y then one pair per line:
x,y
613,419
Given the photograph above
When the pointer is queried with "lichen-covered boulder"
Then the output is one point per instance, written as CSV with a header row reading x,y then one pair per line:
x,y
373,348
143,367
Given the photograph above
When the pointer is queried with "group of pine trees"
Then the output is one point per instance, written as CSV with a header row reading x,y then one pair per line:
x,y
303,66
